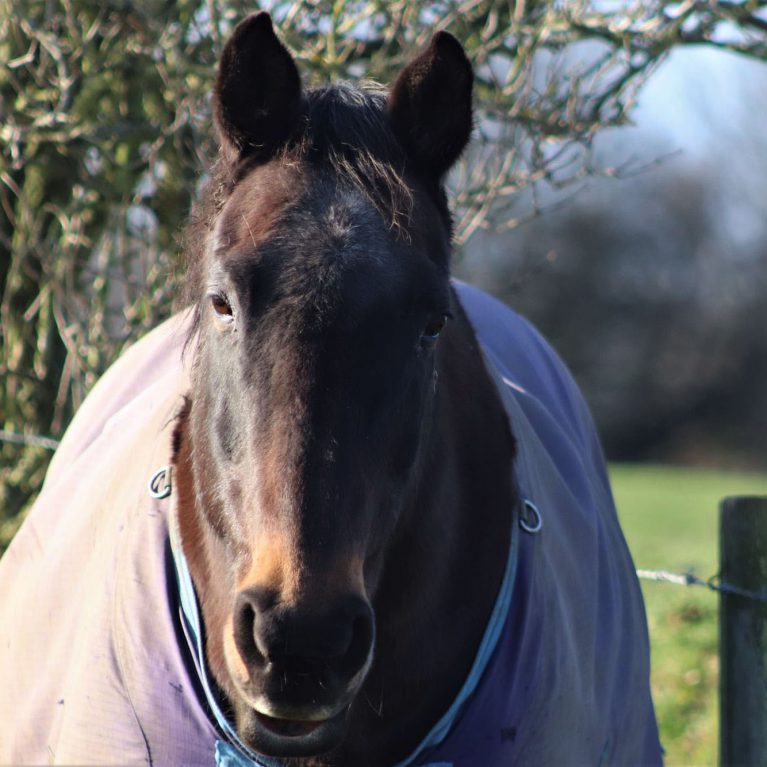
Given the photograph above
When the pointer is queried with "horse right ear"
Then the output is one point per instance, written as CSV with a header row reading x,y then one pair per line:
x,y
257,96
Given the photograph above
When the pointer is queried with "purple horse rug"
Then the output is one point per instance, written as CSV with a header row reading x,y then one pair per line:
x,y
100,660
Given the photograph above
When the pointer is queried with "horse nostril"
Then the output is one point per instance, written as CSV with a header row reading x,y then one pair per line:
x,y
300,641
247,607
360,642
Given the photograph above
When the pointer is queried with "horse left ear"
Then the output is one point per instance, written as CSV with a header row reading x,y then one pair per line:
x,y
257,97
430,105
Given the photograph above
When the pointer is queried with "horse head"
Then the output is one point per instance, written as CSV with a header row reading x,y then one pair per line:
x,y
321,288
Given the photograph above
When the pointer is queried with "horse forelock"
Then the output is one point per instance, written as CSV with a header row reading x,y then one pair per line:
x,y
350,132
346,135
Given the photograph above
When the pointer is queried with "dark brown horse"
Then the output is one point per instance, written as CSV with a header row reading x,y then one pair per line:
x,y
385,534
340,497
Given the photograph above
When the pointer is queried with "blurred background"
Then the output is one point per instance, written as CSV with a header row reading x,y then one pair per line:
x,y
615,193
653,286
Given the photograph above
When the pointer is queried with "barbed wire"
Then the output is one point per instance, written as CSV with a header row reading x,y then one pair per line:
x,y
28,439
714,583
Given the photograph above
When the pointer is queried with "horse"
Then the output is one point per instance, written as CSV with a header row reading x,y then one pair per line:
x,y
378,528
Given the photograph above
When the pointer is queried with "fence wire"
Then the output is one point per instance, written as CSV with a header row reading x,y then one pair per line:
x,y
714,583
28,439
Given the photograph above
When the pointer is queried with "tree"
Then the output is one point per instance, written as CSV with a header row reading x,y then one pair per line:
x,y
104,133
654,305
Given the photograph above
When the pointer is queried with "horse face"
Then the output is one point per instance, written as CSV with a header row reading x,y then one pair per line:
x,y
315,378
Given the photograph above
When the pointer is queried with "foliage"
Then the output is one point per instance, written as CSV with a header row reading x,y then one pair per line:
x,y
104,135
100,153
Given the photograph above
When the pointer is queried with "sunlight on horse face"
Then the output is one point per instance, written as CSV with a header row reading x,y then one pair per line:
x,y
325,288
318,385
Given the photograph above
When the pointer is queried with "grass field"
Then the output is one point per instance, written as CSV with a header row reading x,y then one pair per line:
x,y
670,518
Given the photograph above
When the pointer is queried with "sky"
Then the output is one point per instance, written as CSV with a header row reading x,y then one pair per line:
x,y
696,95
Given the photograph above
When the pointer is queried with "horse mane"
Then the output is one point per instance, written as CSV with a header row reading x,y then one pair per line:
x,y
345,132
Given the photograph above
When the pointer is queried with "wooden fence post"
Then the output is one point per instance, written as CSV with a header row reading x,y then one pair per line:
x,y
743,633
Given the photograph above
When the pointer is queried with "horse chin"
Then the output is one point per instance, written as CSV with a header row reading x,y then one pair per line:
x,y
275,723
302,735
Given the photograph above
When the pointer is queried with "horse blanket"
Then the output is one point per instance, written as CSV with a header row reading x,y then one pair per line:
x,y
98,659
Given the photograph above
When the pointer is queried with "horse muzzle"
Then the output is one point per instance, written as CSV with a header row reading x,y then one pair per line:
x,y
298,669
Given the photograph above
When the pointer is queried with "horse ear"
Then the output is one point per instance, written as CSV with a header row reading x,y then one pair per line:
x,y
430,105
257,96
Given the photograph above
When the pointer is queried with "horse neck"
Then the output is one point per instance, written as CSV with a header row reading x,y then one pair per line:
x,y
446,564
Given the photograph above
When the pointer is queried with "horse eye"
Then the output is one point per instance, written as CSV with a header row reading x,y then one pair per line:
x,y
221,307
434,327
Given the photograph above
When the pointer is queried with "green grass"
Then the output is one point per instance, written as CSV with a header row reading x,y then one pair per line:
x,y
670,518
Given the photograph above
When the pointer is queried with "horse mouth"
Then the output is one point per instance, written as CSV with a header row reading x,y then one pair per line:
x,y
287,737
289,728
